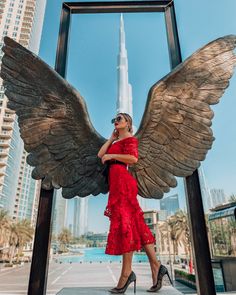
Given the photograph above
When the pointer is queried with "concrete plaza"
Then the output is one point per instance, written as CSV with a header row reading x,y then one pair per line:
x,y
86,279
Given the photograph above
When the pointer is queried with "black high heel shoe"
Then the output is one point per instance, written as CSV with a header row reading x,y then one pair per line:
x,y
162,271
131,278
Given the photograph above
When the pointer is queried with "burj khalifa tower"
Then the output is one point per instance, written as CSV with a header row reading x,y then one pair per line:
x,y
124,99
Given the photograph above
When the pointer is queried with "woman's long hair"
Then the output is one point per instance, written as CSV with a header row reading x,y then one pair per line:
x,y
129,120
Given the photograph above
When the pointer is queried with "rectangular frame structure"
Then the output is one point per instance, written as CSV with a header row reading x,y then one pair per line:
x,y
39,267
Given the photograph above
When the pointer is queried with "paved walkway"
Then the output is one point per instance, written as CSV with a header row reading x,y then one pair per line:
x,y
101,291
85,278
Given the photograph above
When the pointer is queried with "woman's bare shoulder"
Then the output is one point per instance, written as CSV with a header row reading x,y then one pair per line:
x,y
130,139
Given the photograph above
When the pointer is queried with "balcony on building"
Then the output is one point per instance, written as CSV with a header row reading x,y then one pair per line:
x,y
24,36
4,143
5,133
4,152
24,42
26,31
29,8
31,3
27,25
2,171
3,161
27,19
29,13
7,125
9,111
8,117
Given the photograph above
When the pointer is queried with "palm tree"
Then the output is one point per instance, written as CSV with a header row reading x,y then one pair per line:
x,y
180,231
21,233
13,240
25,235
232,198
174,234
64,238
4,226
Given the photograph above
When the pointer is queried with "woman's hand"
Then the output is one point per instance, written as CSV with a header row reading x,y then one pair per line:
x,y
106,157
114,135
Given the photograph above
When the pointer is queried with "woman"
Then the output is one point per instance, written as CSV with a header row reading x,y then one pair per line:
x,y
128,230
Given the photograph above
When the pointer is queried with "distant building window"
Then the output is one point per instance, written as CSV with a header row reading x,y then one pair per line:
x,y
15,28
4,33
12,4
17,22
8,21
14,34
10,9
19,11
20,6
9,15
6,27
18,17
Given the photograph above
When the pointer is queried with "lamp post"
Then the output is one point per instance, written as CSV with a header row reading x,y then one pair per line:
x,y
168,237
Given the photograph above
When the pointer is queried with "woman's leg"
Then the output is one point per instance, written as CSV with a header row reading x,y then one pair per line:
x,y
154,263
126,268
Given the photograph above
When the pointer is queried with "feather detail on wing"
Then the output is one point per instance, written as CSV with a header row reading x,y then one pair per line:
x,y
54,124
175,134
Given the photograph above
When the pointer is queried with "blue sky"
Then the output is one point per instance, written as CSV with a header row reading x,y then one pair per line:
x,y
92,62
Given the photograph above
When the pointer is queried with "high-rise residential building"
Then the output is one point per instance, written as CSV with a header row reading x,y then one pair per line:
x,y
27,194
59,213
205,191
22,20
80,216
151,219
124,99
170,204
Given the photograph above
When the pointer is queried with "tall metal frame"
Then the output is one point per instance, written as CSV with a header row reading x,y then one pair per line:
x,y
40,258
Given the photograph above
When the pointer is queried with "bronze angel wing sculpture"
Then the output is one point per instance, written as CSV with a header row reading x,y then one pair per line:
x,y
174,134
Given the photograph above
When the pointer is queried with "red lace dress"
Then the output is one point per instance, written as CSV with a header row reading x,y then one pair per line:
x,y
128,230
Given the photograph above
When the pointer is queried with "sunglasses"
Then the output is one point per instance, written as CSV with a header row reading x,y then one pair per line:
x,y
117,119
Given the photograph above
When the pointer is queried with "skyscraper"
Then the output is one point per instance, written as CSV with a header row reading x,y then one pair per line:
x,y
80,216
218,197
170,204
206,195
60,212
27,194
21,20
124,99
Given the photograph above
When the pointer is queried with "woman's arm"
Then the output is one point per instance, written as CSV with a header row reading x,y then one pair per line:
x,y
128,159
104,148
